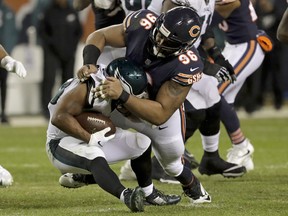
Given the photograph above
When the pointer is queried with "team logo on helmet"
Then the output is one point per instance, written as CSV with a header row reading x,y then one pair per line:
x,y
195,31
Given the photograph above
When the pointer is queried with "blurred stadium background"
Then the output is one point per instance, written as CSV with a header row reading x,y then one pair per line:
x,y
18,24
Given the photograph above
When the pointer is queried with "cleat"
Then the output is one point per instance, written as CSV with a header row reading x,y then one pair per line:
x,y
126,172
212,165
70,180
159,199
242,155
134,199
197,193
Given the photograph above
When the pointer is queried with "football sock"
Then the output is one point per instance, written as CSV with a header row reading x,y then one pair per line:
x,y
237,137
210,143
105,177
186,176
148,190
142,167
229,116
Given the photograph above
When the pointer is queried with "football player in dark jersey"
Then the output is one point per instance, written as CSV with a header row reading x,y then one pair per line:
x,y
163,46
106,13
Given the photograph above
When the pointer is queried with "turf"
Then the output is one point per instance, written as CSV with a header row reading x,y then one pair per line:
x,y
263,191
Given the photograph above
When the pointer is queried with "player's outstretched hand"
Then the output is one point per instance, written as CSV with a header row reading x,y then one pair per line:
x,y
13,66
99,138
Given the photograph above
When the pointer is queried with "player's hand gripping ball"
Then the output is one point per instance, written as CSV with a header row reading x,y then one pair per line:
x,y
93,122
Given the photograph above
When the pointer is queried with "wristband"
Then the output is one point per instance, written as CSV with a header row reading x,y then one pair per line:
x,y
123,97
91,54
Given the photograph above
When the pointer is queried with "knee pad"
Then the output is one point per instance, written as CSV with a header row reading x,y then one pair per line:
x,y
171,161
174,168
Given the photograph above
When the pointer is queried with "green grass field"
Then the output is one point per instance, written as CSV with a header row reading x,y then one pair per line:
x,y
36,191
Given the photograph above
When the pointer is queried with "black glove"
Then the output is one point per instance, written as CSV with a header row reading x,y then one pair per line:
x,y
223,75
225,63
219,72
216,55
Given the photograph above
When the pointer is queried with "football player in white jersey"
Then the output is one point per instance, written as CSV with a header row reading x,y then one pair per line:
x,y
282,31
13,66
77,153
10,64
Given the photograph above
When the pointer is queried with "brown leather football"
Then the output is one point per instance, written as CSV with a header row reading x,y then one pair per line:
x,y
94,121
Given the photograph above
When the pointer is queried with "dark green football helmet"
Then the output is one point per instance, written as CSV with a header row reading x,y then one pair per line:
x,y
132,77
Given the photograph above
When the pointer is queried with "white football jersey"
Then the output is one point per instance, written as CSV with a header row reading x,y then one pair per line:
x,y
96,104
134,5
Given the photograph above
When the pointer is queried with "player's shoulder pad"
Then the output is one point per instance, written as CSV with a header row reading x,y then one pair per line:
x,y
189,71
136,16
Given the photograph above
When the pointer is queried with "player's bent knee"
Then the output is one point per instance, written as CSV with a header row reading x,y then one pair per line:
x,y
143,142
174,168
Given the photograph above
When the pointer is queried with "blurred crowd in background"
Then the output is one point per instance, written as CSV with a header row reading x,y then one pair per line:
x,y
23,34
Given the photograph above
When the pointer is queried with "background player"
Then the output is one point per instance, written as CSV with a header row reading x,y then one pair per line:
x,y
282,31
13,66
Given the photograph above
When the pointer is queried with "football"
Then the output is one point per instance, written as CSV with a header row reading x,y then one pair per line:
x,y
6,178
94,121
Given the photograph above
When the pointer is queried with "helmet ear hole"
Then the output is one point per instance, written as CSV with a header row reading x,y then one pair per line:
x,y
180,27
132,77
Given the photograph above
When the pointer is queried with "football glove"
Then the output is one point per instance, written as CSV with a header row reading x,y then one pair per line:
x,y
216,55
223,75
99,138
11,65
225,63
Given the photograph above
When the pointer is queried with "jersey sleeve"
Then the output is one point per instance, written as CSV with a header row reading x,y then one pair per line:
x,y
144,18
187,79
189,69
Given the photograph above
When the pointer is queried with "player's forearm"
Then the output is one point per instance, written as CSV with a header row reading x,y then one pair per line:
x,y
110,36
3,52
226,9
68,124
148,110
169,98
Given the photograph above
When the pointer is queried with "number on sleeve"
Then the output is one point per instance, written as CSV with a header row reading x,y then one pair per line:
x,y
60,91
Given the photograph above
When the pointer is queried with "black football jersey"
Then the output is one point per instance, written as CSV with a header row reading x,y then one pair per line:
x,y
184,69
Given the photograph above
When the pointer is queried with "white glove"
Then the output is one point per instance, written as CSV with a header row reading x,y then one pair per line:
x,y
99,139
11,65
